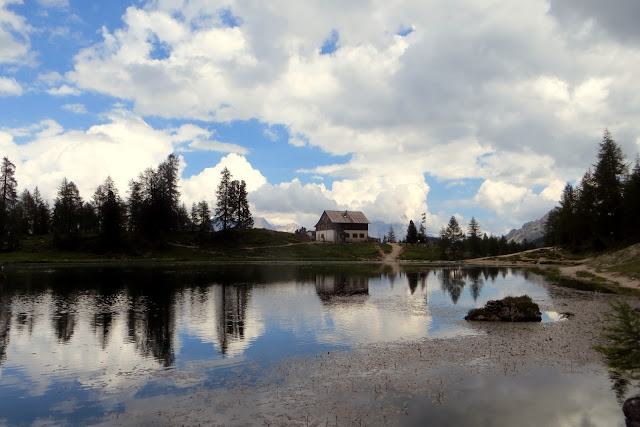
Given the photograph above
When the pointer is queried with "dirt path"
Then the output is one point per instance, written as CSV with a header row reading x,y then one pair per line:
x,y
395,253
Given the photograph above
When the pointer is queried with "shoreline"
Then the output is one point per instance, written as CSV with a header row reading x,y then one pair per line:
x,y
371,384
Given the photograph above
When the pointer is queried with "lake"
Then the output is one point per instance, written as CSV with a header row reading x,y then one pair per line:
x,y
79,343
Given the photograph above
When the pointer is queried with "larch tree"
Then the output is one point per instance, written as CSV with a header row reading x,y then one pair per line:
x,y
391,236
609,174
9,209
632,202
473,237
203,217
242,213
224,206
67,211
451,238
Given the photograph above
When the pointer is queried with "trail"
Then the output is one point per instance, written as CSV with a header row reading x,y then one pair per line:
x,y
395,253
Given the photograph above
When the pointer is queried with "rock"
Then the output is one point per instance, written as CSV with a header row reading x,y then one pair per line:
x,y
631,409
509,309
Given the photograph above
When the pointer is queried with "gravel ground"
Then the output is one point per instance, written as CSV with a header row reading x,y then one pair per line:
x,y
362,386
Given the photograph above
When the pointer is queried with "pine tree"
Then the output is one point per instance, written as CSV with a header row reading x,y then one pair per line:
x,y
169,193
204,217
244,219
451,238
412,233
112,221
193,217
108,193
632,203
8,200
586,211
391,237
8,184
473,233
224,207
608,176
67,212
135,206
43,214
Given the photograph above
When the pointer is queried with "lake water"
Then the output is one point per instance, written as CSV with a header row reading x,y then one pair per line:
x,y
77,342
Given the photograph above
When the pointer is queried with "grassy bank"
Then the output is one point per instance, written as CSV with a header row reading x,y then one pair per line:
x,y
233,245
584,282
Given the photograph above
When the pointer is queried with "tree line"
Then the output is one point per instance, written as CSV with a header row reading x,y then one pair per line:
x,y
150,213
454,243
603,209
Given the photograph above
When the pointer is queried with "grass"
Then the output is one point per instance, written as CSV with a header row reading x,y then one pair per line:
x,y
584,283
584,274
386,248
624,261
233,245
420,253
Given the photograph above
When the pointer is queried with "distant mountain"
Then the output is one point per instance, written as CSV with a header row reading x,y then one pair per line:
x,y
259,222
532,232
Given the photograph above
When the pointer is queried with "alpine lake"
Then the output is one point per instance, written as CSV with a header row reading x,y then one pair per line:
x,y
291,344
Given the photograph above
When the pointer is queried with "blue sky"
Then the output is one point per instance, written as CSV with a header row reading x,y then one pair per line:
x,y
395,109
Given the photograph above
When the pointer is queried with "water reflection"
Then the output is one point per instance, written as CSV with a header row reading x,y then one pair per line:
x,y
417,277
330,286
91,326
232,311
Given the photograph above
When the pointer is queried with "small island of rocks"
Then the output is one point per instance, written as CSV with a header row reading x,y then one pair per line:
x,y
509,309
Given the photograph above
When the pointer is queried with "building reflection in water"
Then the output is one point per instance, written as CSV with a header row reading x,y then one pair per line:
x,y
329,287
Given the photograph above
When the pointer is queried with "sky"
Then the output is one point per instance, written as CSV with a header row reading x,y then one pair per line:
x,y
396,108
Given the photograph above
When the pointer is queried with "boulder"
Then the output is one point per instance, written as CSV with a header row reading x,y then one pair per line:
x,y
631,409
509,309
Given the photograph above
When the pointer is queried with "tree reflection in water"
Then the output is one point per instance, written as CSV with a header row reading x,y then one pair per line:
x,y
232,303
452,282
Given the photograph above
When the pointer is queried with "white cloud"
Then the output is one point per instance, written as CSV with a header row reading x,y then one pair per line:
x,y
54,3
517,204
270,135
494,91
122,148
9,87
75,108
64,90
50,78
203,186
223,147
14,32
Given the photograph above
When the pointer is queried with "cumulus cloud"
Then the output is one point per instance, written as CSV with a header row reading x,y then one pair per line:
x,y
290,202
121,148
203,186
14,32
508,94
517,202
9,87
64,90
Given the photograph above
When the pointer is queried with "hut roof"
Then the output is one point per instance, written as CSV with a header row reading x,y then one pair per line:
x,y
347,217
